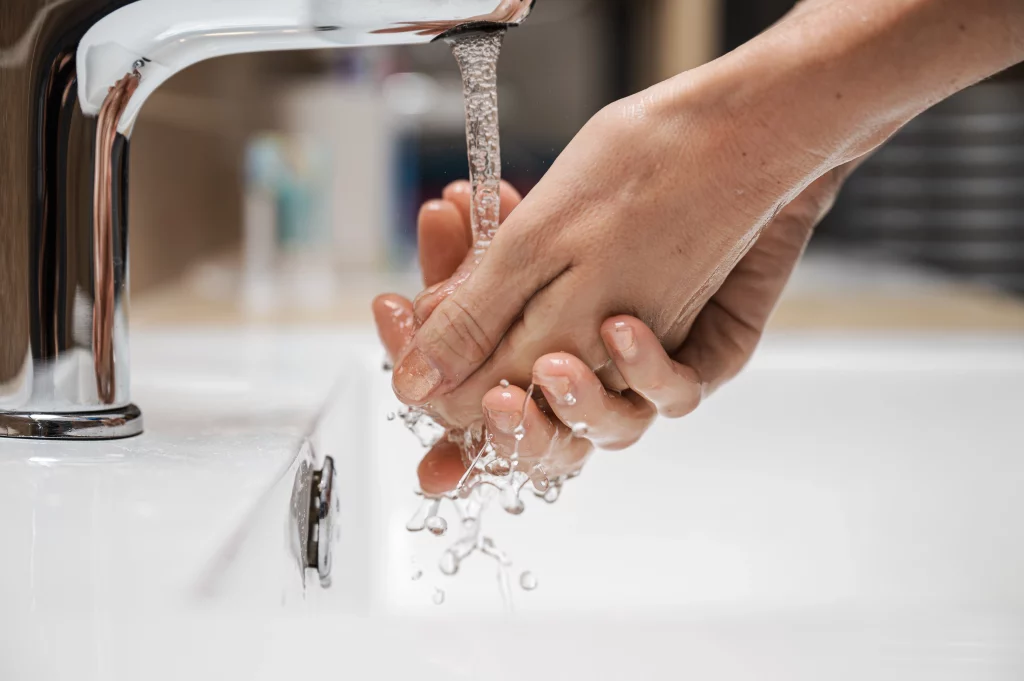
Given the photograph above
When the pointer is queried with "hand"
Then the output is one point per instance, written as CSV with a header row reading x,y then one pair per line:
x,y
613,228
656,209
548,447
444,241
601,417
652,208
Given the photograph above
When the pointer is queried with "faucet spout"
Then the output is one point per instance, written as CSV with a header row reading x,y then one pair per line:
x,y
72,84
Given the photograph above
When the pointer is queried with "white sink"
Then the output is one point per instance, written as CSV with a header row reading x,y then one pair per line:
x,y
848,508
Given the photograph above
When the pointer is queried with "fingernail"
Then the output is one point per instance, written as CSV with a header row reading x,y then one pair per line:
x,y
416,378
505,421
624,340
557,387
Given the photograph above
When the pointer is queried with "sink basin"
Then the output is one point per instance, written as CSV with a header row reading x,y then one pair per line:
x,y
850,507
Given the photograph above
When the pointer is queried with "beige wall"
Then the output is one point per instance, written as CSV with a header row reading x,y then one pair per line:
x,y
688,33
674,36
186,167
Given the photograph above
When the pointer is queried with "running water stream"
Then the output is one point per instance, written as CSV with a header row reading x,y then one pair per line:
x,y
489,477
477,54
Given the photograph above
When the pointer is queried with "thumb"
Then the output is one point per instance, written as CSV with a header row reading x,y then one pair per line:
x,y
467,326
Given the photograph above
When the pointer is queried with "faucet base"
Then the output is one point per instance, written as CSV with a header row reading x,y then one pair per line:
x,y
108,424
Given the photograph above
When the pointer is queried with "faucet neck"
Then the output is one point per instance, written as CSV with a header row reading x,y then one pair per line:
x,y
48,235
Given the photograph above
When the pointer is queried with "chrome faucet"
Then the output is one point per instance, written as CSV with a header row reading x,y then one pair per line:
x,y
73,76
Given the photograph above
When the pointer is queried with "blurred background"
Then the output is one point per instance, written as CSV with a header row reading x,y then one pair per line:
x,y
285,186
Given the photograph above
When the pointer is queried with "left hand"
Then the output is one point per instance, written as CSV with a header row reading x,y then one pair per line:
x,y
444,240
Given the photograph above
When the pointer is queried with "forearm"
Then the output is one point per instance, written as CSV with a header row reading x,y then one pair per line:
x,y
836,77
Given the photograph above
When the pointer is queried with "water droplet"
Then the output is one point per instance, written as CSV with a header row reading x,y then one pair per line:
x,y
488,548
527,581
499,467
580,429
552,495
570,399
519,432
541,484
504,383
438,596
417,574
515,507
420,424
427,509
437,525
391,416
449,564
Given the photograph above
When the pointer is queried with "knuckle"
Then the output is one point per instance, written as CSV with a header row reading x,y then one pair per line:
x,y
683,401
626,437
678,410
460,333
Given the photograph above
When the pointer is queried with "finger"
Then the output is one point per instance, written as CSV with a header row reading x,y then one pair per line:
x,y
441,469
505,409
581,402
459,195
442,241
395,321
546,450
551,322
464,329
674,389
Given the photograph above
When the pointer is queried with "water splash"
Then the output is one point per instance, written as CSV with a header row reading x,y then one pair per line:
x,y
437,525
428,509
420,424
